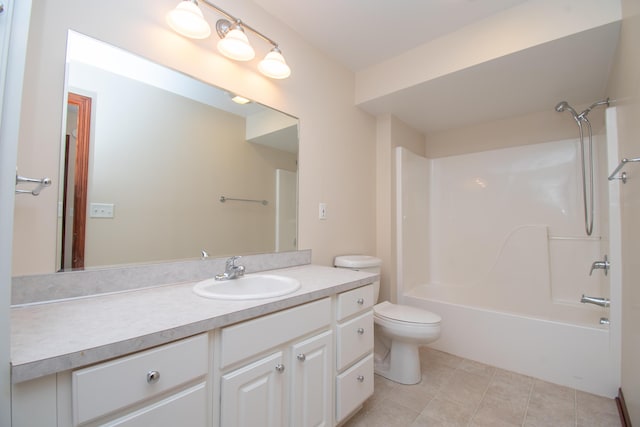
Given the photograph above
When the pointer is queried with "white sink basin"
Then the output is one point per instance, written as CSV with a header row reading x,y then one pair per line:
x,y
253,286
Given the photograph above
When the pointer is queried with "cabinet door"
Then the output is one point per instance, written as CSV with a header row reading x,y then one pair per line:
x,y
253,395
311,381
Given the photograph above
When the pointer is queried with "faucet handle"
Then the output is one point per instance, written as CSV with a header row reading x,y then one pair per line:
x,y
604,265
231,262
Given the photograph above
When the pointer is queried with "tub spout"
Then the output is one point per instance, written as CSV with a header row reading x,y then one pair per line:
x,y
602,302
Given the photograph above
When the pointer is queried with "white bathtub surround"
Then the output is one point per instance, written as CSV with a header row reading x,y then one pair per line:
x,y
494,242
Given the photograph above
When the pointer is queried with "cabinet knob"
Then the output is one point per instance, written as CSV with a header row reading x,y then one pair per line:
x,y
153,377
280,367
360,331
302,357
360,301
360,378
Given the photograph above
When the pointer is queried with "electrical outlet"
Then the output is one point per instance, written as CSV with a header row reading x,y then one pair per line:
x,y
322,211
101,210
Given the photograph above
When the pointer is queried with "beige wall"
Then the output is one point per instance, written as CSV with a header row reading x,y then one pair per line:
x,y
624,87
337,140
391,133
534,128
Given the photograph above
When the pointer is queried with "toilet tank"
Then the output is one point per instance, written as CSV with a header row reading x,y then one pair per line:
x,y
366,263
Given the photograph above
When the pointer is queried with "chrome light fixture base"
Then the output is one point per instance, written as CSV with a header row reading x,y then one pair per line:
x,y
222,27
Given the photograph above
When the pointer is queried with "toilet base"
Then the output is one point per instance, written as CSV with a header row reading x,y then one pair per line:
x,y
401,364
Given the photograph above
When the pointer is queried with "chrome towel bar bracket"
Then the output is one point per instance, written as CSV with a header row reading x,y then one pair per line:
x,y
42,183
623,176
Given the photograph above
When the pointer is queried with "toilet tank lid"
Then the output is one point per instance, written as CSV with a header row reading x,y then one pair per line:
x,y
357,261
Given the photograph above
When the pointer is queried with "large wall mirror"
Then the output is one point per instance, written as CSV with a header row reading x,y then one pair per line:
x,y
159,166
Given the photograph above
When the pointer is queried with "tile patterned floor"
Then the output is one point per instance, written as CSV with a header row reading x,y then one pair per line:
x,y
461,392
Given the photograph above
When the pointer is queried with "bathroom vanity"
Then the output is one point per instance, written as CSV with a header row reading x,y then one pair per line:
x,y
165,356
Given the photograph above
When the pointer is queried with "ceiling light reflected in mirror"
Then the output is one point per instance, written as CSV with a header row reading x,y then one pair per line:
x,y
240,99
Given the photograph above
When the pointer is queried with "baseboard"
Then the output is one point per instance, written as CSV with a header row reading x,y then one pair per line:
x,y
622,410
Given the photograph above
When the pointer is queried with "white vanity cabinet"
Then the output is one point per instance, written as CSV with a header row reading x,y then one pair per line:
x,y
354,350
169,381
163,386
276,370
305,365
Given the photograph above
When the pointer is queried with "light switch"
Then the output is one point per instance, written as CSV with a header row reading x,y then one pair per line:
x,y
322,211
101,210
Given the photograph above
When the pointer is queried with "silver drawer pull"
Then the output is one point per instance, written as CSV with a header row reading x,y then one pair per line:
x,y
360,331
280,367
302,357
360,378
360,301
153,377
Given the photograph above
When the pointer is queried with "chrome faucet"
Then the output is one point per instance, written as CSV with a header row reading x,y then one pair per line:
x,y
603,265
602,302
231,270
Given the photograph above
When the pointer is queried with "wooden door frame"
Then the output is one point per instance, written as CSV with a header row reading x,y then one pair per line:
x,y
81,177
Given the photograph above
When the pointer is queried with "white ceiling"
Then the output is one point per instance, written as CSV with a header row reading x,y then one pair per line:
x,y
362,33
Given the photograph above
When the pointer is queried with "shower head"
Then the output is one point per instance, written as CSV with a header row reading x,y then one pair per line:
x,y
564,106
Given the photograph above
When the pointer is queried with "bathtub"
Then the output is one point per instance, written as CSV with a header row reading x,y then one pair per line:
x,y
569,354
493,242
511,318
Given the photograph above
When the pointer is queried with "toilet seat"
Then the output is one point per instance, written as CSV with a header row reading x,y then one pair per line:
x,y
405,314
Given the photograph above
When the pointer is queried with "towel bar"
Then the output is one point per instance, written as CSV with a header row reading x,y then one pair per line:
x,y
42,183
623,175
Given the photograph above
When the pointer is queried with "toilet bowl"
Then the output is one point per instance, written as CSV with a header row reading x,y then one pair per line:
x,y
399,329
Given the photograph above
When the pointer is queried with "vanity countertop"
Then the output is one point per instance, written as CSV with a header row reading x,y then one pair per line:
x,y
57,336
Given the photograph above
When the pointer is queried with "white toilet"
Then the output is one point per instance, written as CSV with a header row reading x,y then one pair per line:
x,y
399,329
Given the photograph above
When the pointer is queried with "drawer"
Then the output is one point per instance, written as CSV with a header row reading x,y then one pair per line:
x,y
255,336
354,301
107,387
190,404
353,387
354,339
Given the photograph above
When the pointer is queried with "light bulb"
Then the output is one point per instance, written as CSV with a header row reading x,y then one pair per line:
x,y
235,45
187,19
273,65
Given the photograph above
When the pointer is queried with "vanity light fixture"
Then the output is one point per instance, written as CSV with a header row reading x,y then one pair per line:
x,y
187,19
233,42
273,65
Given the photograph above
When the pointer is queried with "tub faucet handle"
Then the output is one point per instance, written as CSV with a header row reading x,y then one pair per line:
x,y
603,265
